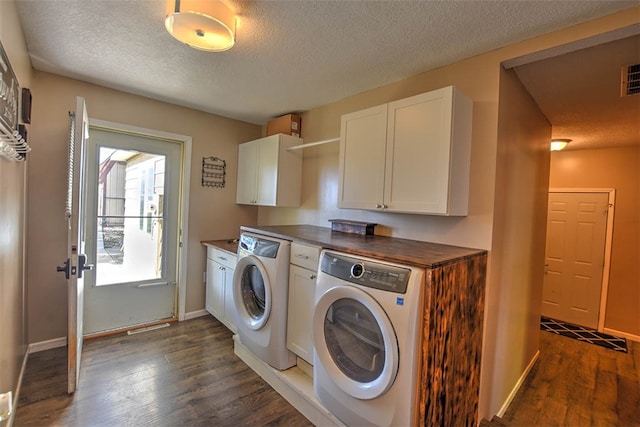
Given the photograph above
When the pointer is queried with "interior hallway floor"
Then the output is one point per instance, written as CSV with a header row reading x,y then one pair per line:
x,y
574,383
187,374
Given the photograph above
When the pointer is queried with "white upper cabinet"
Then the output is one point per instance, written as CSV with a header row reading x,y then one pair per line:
x,y
363,138
410,155
268,174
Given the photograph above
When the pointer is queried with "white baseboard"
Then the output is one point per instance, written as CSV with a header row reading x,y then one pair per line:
x,y
193,314
523,377
626,335
47,345
62,341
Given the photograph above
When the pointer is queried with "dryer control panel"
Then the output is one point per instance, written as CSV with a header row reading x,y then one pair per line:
x,y
365,272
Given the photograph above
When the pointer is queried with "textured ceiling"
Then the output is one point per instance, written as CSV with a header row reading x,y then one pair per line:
x,y
290,55
579,93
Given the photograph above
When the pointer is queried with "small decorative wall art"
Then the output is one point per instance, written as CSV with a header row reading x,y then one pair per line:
x,y
10,90
214,172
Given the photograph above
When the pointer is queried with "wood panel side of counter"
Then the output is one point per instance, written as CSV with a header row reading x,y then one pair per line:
x,y
452,343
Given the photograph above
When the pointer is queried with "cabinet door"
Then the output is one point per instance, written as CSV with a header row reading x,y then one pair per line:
x,y
215,289
269,174
229,306
209,292
247,173
362,158
267,170
302,288
428,153
418,153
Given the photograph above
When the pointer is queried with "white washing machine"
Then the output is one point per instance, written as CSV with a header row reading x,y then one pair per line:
x,y
260,295
367,329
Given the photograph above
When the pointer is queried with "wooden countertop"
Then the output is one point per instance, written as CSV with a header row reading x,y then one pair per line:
x,y
229,245
402,251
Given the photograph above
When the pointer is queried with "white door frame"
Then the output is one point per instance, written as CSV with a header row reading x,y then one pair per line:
x,y
607,244
183,220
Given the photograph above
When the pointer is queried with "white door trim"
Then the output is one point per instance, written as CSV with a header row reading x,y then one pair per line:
x,y
607,244
183,220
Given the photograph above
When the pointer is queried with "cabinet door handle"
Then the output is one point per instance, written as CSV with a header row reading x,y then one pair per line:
x,y
379,206
302,256
312,277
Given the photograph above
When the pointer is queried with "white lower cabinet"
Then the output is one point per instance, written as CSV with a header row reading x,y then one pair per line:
x,y
219,286
302,287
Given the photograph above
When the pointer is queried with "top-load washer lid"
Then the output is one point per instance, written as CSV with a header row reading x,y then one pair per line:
x,y
257,246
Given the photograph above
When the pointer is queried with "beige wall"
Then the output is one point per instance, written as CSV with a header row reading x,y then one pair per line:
x,y
517,254
13,326
212,212
617,168
320,165
508,298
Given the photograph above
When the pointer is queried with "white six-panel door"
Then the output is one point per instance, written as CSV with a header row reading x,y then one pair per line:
x,y
575,251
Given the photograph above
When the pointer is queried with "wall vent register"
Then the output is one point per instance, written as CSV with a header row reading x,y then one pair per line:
x,y
630,81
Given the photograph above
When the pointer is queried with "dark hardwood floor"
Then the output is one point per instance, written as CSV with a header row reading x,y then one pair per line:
x,y
578,384
186,374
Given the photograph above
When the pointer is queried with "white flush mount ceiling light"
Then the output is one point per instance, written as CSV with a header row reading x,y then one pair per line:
x,y
558,144
207,25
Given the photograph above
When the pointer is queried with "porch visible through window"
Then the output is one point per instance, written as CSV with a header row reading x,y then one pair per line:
x,y
130,216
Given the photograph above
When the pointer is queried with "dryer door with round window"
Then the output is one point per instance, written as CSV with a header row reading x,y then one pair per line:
x,y
251,293
355,342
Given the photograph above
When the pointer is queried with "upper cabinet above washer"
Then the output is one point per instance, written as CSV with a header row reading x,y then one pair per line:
x,y
410,155
268,174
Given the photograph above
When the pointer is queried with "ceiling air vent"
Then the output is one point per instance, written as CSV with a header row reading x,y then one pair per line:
x,y
630,84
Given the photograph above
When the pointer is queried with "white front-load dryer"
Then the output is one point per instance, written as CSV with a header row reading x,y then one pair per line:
x,y
260,295
367,326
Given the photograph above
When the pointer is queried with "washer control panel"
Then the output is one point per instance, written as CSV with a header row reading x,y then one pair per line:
x,y
366,273
259,247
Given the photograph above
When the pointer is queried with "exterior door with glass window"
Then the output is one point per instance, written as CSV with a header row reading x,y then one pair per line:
x,y
133,210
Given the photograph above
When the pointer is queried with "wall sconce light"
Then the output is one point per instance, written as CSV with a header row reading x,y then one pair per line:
x,y
207,25
558,144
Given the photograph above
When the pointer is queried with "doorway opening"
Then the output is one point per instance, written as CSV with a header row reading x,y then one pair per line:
x,y
578,255
136,193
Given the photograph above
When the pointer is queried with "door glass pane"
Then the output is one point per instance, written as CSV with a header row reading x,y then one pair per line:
x,y
354,340
130,216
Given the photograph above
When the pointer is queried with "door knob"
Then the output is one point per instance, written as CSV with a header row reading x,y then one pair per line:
x,y
64,269
82,265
